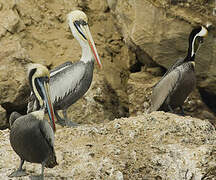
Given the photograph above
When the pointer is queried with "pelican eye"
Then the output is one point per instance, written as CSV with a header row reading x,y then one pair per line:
x,y
77,25
81,22
200,39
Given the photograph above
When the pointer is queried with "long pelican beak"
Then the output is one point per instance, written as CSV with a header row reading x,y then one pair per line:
x,y
46,93
92,44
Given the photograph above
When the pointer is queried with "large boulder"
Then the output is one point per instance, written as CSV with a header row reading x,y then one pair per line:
x,y
10,21
158,32
156,146
13,82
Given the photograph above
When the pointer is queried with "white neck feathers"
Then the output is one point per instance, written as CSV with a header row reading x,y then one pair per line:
x,y
38,114
86,54
86,51
202,33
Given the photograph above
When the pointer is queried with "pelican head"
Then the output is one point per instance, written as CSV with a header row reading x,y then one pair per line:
x,y
196,39
78,23
39,82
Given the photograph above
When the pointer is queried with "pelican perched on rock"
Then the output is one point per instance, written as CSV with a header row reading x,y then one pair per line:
x,y
180,80
31,136
70,81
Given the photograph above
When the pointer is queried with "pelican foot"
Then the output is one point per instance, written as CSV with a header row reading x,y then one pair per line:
x,y
62,123
71,124
182,111
67,123
18,173
40,177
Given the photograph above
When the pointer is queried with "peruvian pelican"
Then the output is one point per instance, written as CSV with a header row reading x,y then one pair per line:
x,y
180,79
70,81
31,136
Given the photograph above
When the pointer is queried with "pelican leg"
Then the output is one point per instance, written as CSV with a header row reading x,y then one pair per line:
x,y
41,176
67,121
170,108
19,172
42,171
182,111
59,119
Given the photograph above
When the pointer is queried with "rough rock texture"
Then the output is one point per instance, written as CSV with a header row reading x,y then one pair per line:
x,y
3,117
156,146
158,32
13,85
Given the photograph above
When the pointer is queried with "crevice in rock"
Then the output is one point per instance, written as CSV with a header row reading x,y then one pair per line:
x,y
163,69
114,105
136,67
208,98
9,107
142,58
4,127
107,10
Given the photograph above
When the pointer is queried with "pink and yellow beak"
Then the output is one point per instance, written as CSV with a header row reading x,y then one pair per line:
x,y
44,85
49,106
83,29
92,46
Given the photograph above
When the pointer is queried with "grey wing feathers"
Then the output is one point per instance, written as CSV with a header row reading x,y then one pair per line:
x,y
68,63
47,132
163,89
175,65
66,81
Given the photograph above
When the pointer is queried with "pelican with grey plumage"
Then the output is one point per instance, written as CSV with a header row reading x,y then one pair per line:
x,y
180,80
70,81
31,136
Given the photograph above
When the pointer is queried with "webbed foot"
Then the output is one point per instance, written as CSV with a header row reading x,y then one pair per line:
x,y
65,121
18,173
182,111
71,124
40,177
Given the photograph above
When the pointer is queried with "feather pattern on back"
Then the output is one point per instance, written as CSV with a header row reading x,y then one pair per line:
x,y
174,87
176,64
65,82
60,68
163,88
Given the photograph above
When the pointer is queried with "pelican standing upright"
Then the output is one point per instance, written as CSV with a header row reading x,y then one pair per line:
x,y
180,79
31,136
70,81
